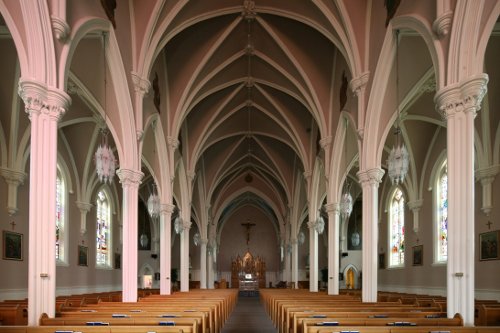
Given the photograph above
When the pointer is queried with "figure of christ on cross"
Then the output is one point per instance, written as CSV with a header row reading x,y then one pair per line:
x,y
248,225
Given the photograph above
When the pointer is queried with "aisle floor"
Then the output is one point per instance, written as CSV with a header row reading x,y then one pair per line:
x,y
249,316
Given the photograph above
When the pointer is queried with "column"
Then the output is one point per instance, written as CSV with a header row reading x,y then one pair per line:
x,y
415,206
166,211
203,263
459,104
295,262
84,208
486,176
184,238
13,178
45,108
210,267
370,180
130,180
287,261
333,247
313,256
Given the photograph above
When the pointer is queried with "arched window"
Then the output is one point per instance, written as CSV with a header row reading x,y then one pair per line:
x,y
61,229
103,230
397,229
441,231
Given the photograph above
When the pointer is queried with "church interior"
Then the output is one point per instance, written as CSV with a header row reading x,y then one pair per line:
x,y
322,150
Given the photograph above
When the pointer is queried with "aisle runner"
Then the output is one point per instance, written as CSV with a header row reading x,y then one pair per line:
x,y
249,316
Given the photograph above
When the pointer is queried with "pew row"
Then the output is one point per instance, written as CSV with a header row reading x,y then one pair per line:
x,y
94,329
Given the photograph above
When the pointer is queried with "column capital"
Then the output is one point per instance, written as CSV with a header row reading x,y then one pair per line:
x,y
332,207
311,224
204,241
325,142
13,177
167,208
371,176
442,24
141,85
465,96
359,83
415,205
38,98
307,174
84,207
172,142
129,177
487,175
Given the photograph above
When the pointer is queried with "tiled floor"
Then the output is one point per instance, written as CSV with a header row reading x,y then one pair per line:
x,y
249,316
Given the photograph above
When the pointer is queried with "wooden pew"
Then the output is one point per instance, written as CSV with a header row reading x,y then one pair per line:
x,y
309,324
298,316
163,315
95,329
14,314
422,329
488,315
183,323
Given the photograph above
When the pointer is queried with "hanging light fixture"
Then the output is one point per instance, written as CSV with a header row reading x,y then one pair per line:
x,y
301,238
320,224
178,224
355,237
105,161
154,203
346,201
143,239
196,239
399,158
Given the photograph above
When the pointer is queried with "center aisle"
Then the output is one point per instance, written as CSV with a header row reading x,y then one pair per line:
x,y
249,316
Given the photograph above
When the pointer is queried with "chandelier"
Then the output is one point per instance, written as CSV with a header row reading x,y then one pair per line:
x,y
399,158
355,237
105,161
178,224
346,201
196,239
320,224
154,203
301,238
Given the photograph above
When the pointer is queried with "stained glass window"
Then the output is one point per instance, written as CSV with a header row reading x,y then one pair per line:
x,y
397,229
60,217
442,216
103,230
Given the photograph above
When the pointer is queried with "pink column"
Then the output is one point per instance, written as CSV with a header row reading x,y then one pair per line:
x,y
333,248
370,179
45,107
459,104
166,211
130,180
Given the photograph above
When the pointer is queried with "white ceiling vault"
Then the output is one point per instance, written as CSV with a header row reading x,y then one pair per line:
x,y
242,99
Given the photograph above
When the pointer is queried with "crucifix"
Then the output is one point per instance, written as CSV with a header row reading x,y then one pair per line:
x,y
489,225
13,224
248,225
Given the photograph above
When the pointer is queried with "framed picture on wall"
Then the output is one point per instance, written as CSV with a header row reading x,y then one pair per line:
x,y
82,255
12,245
418,255
488,245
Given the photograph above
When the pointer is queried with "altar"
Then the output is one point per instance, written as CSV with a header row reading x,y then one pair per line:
x,y
248,273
